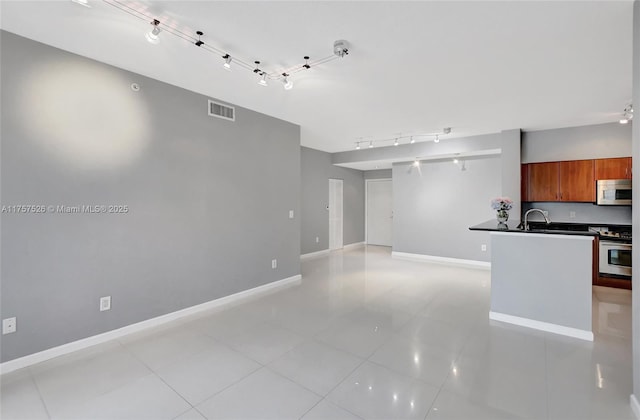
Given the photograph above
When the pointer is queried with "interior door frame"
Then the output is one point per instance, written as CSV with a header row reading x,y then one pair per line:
x,y
329,215
366,205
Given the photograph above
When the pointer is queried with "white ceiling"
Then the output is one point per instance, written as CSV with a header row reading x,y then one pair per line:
x,y
414,67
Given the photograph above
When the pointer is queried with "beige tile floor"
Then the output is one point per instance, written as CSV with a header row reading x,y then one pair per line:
x,y
364,336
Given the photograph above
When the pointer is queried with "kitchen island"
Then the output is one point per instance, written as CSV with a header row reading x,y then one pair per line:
x,y
542,278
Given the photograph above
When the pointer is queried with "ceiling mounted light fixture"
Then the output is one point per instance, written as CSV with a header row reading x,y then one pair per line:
x,y
340,47
371,144
227,62
357,145
263,81
397,137
288,84
152,35
627,114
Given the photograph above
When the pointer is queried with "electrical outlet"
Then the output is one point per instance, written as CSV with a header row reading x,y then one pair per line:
x,y
274,263
317,239
572,214
483,247
290,214
9,325
105,303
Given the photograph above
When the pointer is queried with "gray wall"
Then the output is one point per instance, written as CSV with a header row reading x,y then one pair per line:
x,y
434,207
636,198
316,169
574,143
208,199
378,174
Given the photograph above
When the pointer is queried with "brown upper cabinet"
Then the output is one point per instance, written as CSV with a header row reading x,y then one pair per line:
x,y
577,181
571,180
615,168
543,181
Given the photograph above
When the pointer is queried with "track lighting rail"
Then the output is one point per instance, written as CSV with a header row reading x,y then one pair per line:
x,y
159,28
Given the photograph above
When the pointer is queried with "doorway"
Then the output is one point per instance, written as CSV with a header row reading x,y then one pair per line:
x,y
379,212
335,214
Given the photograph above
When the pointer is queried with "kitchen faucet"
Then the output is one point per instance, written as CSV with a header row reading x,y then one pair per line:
x,y
525,226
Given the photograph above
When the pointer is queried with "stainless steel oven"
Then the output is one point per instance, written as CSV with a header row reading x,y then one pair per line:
x,y
613,192
615,258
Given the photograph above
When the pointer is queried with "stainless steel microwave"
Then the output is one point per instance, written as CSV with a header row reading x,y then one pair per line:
x,y
613,192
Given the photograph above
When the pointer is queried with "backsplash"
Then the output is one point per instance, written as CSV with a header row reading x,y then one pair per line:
x,y
581,212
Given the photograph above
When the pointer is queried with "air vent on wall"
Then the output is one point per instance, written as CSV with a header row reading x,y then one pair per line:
x,y
219,110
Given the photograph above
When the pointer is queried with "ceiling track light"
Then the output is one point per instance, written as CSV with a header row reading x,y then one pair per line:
x,y
340,47
152,35
263,81
627,114
288,84
199,42
357,145
227,62
371,144
396,140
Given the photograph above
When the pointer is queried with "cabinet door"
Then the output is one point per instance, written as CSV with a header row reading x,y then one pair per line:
x,y
577,181
524,182
543,181
615,168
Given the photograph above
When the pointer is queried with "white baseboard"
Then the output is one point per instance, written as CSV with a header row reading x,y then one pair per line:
x,y
44,355
635,407
542,326
443,260
314,254
327,251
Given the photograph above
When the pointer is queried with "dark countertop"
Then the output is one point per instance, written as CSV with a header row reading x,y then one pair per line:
x,y
537,227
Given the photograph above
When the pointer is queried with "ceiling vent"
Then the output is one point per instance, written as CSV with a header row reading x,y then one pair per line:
x,y
219,110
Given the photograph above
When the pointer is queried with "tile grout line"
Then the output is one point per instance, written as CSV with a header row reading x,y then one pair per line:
x,y
44,404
